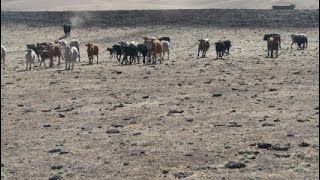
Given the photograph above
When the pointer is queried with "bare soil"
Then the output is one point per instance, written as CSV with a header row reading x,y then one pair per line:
x,y
185,118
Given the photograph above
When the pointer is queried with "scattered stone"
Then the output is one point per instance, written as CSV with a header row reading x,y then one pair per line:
x,y
126,163
282,155
189,119
145,97
56,167
304,144
290,134
233,124
267,125
181,175
188,154
117,125
235,165
136,133
174,111
55,177
217,94
61,115
46,110
273,89
281,147
47,125
120,105
112,131
116,72
165,171
264,145
54,150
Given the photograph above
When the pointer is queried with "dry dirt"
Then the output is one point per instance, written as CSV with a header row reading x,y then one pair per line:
x,y
185,118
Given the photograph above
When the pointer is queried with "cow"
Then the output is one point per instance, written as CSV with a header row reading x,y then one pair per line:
x,y
165,48
118,50
62,42
222,47
273,44
55,50
75,43
132,51
67,29
143,50
148,43
204,46
111,51
92,49
299,39
156,49
30,59
35,48
165,39
43,52
70,56
267,36
3,55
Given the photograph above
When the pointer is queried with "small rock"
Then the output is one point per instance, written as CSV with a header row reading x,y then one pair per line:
x,y
282,155
112,131
126,163
136,133
120,105
55,177
117,125
56,167
47,125
235,165
217,94
280,147
172,111
189,119
273,89
54,150
181,175
304,144
61,115
145,97
264,145
165,171
267,125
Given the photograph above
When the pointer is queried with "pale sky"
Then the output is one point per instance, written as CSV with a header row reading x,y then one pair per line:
x,y
63,5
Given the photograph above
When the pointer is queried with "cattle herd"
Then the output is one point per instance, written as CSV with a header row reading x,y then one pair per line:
x,y
151,50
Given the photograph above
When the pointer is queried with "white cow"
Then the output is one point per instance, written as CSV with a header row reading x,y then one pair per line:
x,y
75,43
70,56
30,59
165,48
3,55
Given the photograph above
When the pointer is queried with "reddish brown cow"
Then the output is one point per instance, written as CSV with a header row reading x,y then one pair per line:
x,y
156,49
55,50
92,50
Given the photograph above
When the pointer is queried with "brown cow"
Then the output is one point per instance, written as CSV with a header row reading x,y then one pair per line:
x,y
54,50
156,49
92,50
273,44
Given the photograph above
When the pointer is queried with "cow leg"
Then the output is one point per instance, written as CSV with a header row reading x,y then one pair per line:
x,y
168,54
198,51
271,53
97,58
2,59
27,66
291,45
66,63
51,63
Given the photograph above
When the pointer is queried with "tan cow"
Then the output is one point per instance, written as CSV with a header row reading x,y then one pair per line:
x,y
92,49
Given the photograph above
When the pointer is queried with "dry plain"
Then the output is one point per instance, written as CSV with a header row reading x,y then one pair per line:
x,y
185,118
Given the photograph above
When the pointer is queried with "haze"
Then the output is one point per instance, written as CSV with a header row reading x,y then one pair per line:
x,y
77,5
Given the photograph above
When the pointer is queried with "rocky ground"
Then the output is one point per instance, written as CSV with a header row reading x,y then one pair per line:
x,y
245,116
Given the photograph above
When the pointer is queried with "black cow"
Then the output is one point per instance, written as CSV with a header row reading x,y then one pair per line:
x,y
111,50
67,29
267,36
143,50
118,50
222,47
132,51
35,48
299,39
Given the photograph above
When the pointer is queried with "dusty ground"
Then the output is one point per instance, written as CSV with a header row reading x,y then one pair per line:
x,y
55,122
